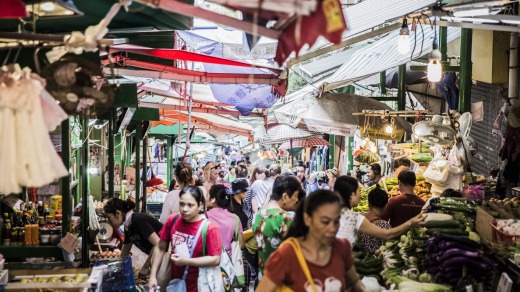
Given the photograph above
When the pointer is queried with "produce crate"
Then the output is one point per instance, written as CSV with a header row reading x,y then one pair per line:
x,y
482,225
500,237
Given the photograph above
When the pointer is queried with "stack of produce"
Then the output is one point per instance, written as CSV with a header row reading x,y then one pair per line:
x,y
421,157
456,260
363,202
461,209
506,208
367,157
422,189
366,264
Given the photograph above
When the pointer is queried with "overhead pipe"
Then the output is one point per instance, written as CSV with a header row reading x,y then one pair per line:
x,y
466,38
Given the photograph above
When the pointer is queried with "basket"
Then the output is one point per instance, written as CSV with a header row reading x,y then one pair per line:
x,y
500,237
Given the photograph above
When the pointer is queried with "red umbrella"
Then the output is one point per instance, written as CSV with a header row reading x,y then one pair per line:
x,y
308,142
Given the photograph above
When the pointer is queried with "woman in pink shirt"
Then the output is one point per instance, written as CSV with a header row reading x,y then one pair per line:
x,y
218,202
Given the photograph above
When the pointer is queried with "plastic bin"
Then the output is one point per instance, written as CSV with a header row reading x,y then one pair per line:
x,y
119,274
501,237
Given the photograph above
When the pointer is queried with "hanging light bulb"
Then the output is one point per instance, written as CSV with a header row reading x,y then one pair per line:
x,y
434,70
403,42
389,129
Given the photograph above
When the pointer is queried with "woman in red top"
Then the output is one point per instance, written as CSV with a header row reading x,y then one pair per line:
x,y
182,230
329,259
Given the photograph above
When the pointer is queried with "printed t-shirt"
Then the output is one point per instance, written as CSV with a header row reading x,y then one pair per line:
x,y
402,208
183,231
283,268
225,222
269,229
141,227
349,224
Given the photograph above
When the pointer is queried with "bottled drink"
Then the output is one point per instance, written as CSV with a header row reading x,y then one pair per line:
x,y
40,208
21,229
6,231
14,229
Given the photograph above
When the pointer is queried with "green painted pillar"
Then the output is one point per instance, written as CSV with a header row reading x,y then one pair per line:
x,y
145,178
168,160
401,88
466,36
77,194
128,160
332,148
382,82
65,181
85,152
111,158
443,43
350,150
137,162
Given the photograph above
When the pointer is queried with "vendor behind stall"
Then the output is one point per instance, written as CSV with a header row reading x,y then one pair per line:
x,y
374,174
141,230
400,165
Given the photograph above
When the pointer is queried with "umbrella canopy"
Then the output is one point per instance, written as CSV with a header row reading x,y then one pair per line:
x,y
284,133
307,142
332,113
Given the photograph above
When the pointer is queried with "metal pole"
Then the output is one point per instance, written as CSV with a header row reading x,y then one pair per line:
x,y
291,153
382,82
145,172
465,70
513,68
111,158
443,43
137,165
84,194
350,153
332,148
65,181
169,160
401,88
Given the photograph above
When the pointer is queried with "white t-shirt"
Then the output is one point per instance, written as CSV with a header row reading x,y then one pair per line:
x,y
260,188
171,204
349,225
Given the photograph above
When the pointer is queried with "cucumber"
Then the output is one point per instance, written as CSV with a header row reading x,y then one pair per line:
x,y
443,224
450,231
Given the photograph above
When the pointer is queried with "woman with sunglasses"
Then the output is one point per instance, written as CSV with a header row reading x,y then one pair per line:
x,y
211,175
184,229
141,229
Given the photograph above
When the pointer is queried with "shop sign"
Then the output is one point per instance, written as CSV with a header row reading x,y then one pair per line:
x,y
379,133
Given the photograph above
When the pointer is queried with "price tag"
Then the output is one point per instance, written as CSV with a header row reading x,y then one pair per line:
x,y
505,283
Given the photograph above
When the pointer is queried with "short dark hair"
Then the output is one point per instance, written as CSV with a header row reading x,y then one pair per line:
x,y
451,193
196,193
377,198
285,184
116,204
376,168
402,162
407,177
300,163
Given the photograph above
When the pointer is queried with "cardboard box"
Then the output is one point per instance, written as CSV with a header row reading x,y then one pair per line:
x,y
15,276
69,242
483,225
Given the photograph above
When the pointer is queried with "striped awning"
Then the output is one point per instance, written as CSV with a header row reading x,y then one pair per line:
x,y
307,142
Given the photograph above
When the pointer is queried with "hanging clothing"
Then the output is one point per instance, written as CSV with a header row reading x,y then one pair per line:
x,y
27,114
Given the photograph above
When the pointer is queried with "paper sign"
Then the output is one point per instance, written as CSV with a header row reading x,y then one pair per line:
x,y
182,250
477,111
505,283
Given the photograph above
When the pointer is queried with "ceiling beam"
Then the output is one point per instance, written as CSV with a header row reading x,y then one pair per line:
x,y
196,109
214,127
343,44
194,11
175,95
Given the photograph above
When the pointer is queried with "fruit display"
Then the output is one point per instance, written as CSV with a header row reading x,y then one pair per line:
x,y
422,189
77,278
363,202
506,208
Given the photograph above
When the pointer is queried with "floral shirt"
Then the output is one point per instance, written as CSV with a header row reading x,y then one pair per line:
x,y
349,225
372,243
270,228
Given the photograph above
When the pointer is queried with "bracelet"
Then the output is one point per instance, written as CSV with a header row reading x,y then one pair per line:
x,y
410,223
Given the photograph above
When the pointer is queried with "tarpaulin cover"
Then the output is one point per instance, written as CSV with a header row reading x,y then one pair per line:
x,y
181,55
245,97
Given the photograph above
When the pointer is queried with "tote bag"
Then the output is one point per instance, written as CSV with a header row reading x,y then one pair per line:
x,y
164,273
217,278
303,264
237,260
